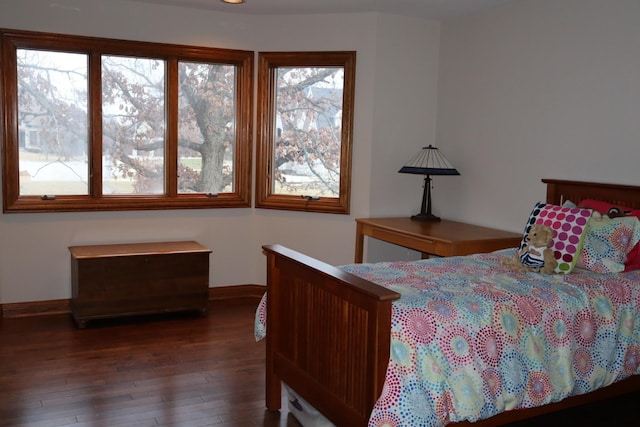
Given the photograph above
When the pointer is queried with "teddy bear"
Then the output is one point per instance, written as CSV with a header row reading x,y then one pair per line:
x,y
535,255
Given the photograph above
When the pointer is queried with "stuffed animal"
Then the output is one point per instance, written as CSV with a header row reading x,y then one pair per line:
x,y
535,255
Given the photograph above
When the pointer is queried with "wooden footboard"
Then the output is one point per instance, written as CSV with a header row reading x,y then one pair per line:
x,y
328,336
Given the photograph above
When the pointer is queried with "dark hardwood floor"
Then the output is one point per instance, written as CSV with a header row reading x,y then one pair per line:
x,y
179,370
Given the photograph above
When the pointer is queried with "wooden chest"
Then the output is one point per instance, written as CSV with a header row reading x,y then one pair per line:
x,y
138,278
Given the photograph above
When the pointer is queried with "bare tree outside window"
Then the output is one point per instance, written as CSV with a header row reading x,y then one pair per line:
x,y
305,113
52,122
207,127
160,127
133,125
308,131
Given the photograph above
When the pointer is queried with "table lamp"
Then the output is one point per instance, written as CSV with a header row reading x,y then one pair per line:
x,y
429,161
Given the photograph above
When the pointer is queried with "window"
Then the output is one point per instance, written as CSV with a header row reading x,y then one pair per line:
x,y
305,122
99,124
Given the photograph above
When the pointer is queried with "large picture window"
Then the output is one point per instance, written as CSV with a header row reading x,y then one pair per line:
x,y
100,124
305,125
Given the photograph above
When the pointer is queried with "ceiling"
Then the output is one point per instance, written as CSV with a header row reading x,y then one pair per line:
x,y
430,9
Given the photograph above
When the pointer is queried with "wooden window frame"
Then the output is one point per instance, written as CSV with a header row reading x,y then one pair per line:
x,y
11,40
268,63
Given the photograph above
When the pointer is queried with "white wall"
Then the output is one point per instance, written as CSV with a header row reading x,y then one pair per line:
x,y
407,79
34,259
537,89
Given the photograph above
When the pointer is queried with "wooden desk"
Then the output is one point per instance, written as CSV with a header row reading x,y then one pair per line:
x,y
443,238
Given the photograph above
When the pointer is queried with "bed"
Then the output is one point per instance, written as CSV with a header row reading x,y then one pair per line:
x,y
330,331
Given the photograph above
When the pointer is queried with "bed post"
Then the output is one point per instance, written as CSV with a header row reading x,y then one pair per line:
x,y
273,382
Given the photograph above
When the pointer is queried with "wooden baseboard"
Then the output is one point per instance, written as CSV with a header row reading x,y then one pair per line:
x,y
35,308
241,292
61,306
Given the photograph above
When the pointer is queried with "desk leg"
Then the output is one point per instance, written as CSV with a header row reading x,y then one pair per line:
x,y
359,243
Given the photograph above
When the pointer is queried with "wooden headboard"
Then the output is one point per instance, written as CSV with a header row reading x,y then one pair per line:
x,y
559,191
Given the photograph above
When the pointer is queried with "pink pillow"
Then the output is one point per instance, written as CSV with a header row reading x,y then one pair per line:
x,y
604,207
633,259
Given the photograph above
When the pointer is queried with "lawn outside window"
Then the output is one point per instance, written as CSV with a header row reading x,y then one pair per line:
x,y
93,124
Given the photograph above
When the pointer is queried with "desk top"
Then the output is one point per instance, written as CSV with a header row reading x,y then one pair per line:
x,y
445,231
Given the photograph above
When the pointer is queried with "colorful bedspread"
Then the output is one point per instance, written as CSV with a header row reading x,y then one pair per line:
x,y
470,339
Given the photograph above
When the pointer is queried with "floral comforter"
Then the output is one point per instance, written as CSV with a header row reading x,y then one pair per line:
x,y
470,339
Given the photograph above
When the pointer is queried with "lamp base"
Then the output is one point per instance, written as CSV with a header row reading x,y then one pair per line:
x,y
425,217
